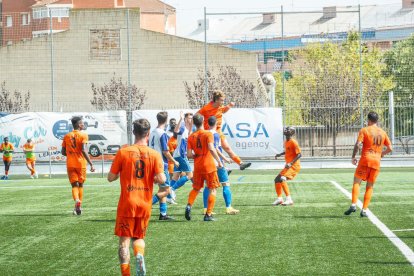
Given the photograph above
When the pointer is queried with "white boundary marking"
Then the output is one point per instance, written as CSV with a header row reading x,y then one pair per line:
x,y
405,250
402,230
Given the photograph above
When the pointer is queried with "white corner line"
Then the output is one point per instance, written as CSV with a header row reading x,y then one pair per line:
x,y
404,249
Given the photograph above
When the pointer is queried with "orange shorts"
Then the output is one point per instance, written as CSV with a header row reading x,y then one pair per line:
x,y
211,179
30,161
131,227
77,175
170,167
366,174
7,159
290,173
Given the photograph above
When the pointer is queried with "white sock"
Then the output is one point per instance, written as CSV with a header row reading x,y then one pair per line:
x,y
353,204
288,198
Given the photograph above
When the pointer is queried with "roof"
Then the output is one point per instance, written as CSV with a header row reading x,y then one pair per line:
x,y
48,2
149,6
236,28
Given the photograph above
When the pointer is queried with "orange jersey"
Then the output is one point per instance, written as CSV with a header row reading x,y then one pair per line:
x,y
204,161
73,142
29,151
373,140
8,147
209,110
137,166
292,149
172,144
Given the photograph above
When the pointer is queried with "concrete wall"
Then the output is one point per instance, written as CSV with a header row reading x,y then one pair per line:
x,y
159,63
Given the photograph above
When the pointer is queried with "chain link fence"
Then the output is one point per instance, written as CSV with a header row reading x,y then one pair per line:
x,y
326,69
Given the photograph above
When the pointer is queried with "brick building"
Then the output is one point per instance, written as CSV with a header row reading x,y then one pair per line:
x,y
24,19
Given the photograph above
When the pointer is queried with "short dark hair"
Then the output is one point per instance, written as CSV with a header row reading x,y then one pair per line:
x,y
187,114
162,117
141,128
212,121
75,121
373,116
29,140
6,138
198,120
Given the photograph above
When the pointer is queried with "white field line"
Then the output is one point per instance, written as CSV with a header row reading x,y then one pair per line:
x,y
404,249
53,186
402,230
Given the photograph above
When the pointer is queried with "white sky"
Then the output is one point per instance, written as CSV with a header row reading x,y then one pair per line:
x,y
189,11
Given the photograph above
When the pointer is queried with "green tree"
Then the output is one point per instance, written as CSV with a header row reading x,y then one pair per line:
x,y
325,84
400,65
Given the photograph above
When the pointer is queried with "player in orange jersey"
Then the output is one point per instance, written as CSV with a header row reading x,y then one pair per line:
x,y
28,149
138,167
74,148
201,149
7,149
172,145
217,109
373,140
292,167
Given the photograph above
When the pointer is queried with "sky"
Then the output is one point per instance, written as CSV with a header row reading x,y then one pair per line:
x,y
189,11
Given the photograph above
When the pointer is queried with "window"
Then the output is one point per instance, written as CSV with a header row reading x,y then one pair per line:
x,y
39,13
105,44
43,12
25,19
9,21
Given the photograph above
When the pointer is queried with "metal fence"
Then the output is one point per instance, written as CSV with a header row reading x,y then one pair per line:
x,y
325,68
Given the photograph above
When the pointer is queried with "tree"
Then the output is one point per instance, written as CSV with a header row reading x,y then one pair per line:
x,y
227,79
400,65
13,102
325,83
115,96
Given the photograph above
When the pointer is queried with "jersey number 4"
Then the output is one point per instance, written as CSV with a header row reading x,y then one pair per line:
x,y
139,169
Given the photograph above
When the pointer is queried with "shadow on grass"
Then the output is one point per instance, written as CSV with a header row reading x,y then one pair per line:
x,y
385,263
35,215
101,220
319,217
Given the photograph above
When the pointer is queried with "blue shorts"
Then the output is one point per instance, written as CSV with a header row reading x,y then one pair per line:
x,y
167,180
223,176
184,165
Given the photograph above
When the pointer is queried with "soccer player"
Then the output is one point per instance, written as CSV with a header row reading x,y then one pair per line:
x,y
201,149
183,130
221,172
172,145
216,108
171,126
292,154
373,140
74,148
158,141
7,149
28,149
138,168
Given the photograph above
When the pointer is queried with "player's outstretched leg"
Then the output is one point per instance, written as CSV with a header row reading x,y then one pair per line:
x,y
233,156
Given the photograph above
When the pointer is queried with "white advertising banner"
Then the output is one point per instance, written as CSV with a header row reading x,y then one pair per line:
x,y
251,132
106,131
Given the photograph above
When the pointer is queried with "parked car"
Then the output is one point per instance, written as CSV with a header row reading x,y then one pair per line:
x,y
98,143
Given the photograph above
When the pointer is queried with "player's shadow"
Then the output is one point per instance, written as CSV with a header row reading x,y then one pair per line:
x,y
385,263
32,215
319,217
101,220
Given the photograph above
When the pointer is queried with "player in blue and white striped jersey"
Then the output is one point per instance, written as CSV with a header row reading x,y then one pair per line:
x,y
158,141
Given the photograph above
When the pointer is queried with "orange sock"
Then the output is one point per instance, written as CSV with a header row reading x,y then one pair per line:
x,y
210,203
75,193
285,188
139,250
236,159
80,193
367,197
125,270
355,193
278,188
192,197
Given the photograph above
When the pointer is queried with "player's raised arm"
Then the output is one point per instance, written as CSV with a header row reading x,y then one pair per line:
x,y
178,126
